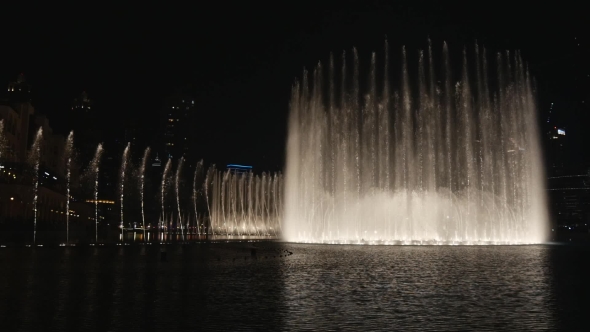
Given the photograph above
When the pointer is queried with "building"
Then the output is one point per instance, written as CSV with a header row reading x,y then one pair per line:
x,y
19,91
569,194
557,150
177,128
17,176
11,134
15,112
138,137
83,120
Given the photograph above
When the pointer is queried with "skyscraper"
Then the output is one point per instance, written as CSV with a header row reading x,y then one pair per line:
x,y
19,90
87,132
177,131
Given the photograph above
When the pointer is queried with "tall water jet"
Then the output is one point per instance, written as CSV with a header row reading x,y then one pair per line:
x,y
94,171
196,188
163,189
68,158
146,154
124,162
243,203
207,187
2,143
177,190
35,161
431,161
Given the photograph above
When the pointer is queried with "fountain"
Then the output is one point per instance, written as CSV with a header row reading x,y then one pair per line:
x,y
176,189
2,143
196,188
94,171
124,161
241,204
142,186
436,161
35,161
163,191
68,158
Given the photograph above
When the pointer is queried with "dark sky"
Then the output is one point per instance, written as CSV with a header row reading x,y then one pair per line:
x,y
240,60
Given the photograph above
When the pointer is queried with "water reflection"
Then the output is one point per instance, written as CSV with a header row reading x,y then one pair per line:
x,y
220,286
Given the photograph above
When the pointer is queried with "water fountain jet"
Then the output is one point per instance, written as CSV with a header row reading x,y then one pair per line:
x,y
142,186
94,171
68,158
124,162
163,191
35,160
434,161
177,190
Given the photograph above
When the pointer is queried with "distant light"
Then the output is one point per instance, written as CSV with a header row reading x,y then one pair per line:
x,y
561,132
54,178
238,166
12,198
46,173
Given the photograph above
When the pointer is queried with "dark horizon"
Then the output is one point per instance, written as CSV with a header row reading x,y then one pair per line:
x,y
240,65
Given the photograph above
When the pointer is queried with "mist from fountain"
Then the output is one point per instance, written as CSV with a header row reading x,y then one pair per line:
x,y
35,161
436,161
94,172
124,162
142,168
69,149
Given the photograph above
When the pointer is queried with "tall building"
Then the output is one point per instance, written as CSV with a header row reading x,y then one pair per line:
x,y
16,111
19,90
557,150
178,130
87,133
16,179
569,194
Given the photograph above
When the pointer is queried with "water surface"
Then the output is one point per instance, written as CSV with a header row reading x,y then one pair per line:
x,y
319,287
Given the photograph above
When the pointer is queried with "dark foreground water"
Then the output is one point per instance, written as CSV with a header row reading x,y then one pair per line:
x,y
219,286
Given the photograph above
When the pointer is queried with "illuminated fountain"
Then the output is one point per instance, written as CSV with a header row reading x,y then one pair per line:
x,y
177,190
197,189
433,161
35,161
163,188
93,171
124,162
142,186
2,143
243,203
69,150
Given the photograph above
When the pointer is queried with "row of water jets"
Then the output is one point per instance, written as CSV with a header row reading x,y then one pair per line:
x,y
435,158
223,203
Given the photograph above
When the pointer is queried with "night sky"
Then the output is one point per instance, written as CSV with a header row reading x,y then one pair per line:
x,y
240,61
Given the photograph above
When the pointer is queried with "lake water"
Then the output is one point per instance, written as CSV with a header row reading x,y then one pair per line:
x,y
219,286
